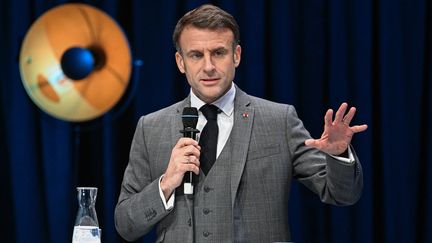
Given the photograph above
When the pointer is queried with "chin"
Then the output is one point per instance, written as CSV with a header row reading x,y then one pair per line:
x,y
210,94
208,98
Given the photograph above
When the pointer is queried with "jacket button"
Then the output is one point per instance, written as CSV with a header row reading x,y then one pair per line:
x,y
206,211
207,189
206,234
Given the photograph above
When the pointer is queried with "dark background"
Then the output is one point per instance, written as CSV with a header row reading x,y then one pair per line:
x,y
375,54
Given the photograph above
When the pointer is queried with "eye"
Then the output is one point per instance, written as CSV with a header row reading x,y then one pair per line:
x,y
195,55
219,53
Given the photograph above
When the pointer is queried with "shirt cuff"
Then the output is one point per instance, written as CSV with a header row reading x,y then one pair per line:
x,y
348,160
167,204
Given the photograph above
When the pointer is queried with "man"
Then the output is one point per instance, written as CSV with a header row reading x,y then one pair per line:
x,y
242,194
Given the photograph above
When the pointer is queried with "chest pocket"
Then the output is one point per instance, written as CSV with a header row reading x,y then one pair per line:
x,y
264,151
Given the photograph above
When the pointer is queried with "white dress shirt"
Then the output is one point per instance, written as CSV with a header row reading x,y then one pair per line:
x,y
225,118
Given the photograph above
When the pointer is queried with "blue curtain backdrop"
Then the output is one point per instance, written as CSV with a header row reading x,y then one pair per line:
x,y
314,54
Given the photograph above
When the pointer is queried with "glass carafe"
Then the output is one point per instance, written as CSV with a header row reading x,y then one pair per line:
x,y
86,227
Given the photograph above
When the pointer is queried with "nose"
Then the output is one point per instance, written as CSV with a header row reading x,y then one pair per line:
x,y
209,66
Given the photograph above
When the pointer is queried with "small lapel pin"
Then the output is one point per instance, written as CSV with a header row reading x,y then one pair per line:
x,y
245,115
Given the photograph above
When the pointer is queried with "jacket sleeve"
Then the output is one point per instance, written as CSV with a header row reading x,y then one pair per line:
x,y
140,206
334,181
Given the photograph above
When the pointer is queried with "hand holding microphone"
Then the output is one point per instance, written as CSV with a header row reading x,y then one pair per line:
x,y
190,120
184,158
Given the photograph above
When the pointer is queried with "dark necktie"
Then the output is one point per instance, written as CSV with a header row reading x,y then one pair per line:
x,y
208,138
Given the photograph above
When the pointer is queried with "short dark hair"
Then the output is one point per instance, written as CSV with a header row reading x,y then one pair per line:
x,y
207,16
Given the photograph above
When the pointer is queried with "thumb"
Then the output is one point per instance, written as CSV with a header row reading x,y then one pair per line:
x,y
311,142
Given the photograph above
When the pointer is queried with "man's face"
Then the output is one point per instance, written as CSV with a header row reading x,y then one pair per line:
x,y
208,60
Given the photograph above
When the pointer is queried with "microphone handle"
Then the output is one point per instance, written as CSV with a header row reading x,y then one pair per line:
x,y
188,183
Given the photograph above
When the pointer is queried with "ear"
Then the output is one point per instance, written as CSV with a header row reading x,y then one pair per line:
x,y
180,62
237,55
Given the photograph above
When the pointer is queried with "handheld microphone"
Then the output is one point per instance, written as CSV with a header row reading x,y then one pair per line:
x,y
190,120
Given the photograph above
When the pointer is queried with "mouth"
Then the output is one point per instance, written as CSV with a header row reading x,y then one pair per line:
x,y
209,80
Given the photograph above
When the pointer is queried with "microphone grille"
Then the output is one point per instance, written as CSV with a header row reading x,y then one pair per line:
x,y
190,117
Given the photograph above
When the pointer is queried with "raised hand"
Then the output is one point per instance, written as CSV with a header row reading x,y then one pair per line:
x,y
337,134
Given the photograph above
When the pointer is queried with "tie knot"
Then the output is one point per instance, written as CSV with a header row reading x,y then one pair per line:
x,y
209,111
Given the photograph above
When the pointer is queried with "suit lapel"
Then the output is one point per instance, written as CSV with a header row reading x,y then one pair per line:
x,y
241,134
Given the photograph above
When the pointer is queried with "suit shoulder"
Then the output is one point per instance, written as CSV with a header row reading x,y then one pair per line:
x,y
161,115
270,106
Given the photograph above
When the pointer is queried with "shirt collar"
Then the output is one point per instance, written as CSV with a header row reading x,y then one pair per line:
x,y
224,103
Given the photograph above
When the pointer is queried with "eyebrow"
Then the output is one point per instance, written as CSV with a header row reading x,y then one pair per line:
x,y
212,50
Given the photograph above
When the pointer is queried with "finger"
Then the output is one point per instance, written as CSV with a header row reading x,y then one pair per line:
x,y
188,162
190,150
328,118
340,112
196,170
180,160
348,118
359,128
191,167
182,142
312,143
193,160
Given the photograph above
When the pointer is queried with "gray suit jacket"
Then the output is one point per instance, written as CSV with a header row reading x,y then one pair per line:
x,y
268,151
